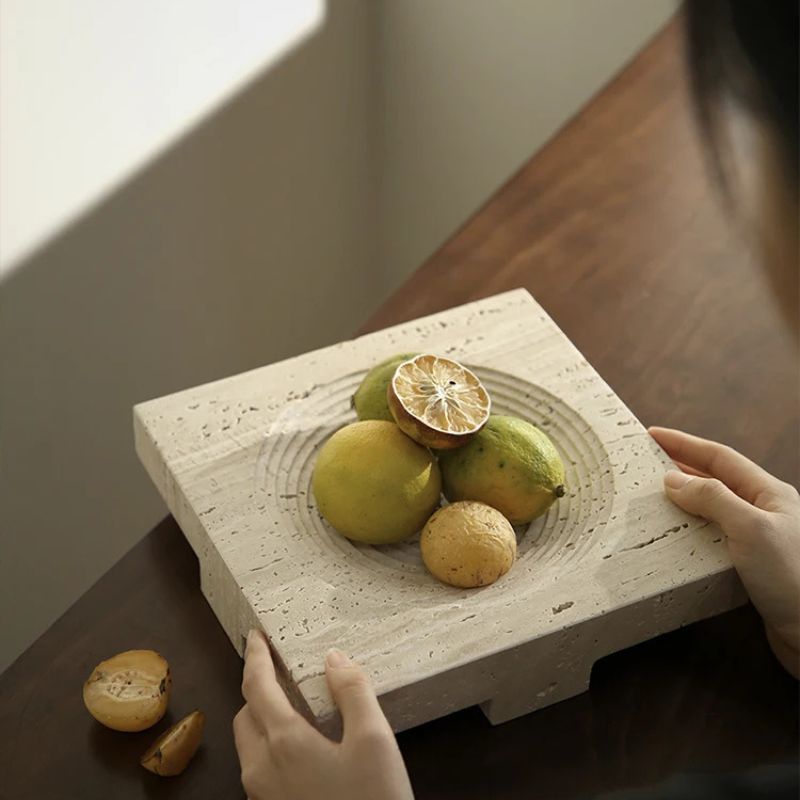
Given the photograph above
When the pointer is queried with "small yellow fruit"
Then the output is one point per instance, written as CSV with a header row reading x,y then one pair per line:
x,y
171,753
468,544
373,484
510,465
370,401
130,691
438,402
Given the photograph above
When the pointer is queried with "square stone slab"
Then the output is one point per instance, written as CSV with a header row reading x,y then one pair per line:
x,y
611,564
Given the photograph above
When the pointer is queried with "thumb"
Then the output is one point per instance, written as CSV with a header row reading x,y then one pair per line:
x,y
709,498
352,692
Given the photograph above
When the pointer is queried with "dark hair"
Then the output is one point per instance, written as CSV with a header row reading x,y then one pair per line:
x,y
746,51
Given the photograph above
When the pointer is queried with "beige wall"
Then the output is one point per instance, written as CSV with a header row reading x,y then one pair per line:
x,y
243,244
275,227
470,89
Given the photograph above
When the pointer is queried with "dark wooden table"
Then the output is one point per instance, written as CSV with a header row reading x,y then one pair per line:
x,y
614,229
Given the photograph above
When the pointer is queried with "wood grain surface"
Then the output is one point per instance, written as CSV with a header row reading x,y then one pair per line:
x,y
707,698
614,229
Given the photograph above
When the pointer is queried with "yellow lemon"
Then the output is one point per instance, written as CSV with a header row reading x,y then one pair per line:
x,y
510,465
468,544
373,484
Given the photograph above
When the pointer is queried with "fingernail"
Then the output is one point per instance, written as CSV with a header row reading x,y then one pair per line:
x,y
675,479
336,658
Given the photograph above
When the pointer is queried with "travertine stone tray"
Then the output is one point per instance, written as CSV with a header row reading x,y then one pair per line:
x,y
611,564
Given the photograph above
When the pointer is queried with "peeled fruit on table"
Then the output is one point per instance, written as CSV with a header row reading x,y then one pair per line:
x,y
171,753
511,465
468,544
130,691
370,400
373,484
438,402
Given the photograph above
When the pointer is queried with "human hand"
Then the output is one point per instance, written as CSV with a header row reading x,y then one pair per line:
x,y
760,516
283,756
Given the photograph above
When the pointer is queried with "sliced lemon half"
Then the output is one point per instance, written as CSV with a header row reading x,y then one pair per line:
x,y
438,402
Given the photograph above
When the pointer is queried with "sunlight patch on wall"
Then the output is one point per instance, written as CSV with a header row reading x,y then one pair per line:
x,y
90,91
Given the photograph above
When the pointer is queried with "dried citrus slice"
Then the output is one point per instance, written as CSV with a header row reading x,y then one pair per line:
x,y
438,402
171,753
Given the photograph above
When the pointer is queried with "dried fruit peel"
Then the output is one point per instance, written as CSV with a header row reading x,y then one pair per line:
x,y
171,753
438,402
130,691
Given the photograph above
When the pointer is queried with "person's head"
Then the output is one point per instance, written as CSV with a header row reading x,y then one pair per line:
x,y
743,56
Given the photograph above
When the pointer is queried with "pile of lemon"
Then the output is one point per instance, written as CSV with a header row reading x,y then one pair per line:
x,y
425,429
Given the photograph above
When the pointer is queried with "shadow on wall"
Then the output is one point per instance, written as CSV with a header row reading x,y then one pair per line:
x,y
241,245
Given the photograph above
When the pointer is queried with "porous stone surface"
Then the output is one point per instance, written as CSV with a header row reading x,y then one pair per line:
x,y
612,563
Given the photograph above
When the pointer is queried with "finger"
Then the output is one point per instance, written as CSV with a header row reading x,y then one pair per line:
x,y
251,747
353,694
248,738
691,470
268,704
736,471
711,499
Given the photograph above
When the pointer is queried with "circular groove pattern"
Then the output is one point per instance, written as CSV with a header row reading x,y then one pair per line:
x,y
567,531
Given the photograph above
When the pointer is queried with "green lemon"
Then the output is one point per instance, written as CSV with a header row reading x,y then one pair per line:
x,y
510,465
373,484
370,400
